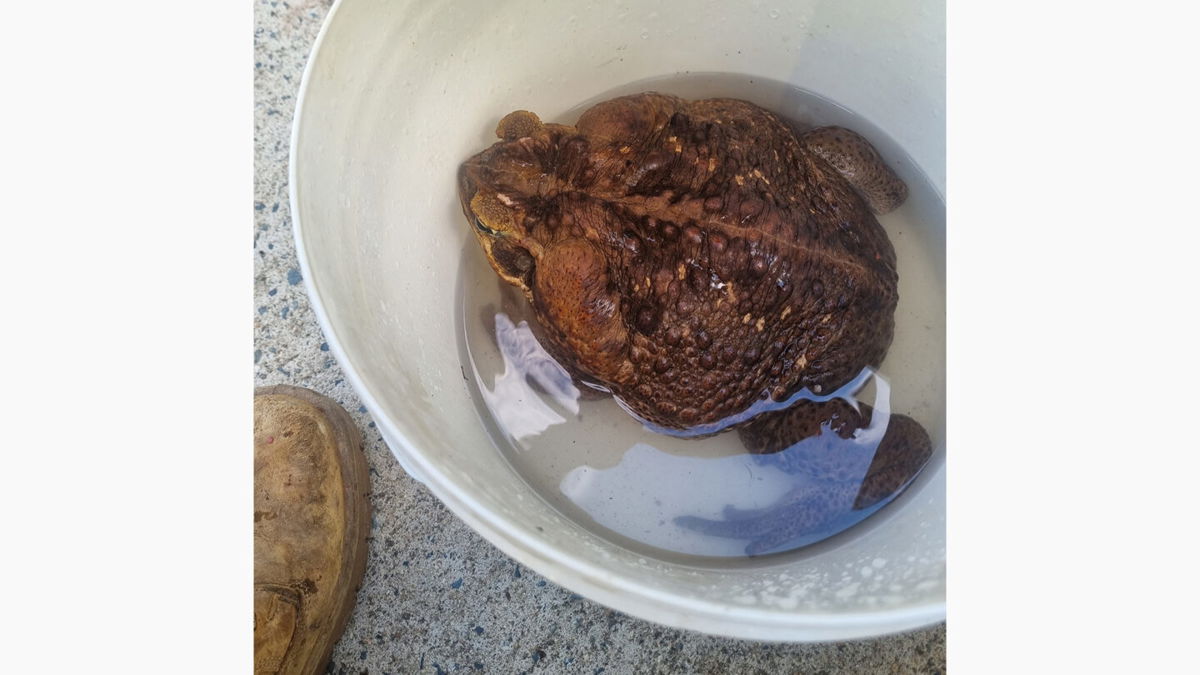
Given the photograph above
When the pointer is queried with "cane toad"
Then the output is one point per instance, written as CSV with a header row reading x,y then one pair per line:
x,y
703,262
692,257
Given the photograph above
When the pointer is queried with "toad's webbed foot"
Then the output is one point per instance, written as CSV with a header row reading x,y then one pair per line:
x,y
822,441
826,442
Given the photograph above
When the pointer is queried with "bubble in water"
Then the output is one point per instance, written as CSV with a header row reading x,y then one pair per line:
x,y
774,14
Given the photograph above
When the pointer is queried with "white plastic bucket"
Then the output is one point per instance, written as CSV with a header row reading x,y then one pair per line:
x,y
396,94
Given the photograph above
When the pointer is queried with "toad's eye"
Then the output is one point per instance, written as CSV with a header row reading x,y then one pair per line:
x,y
484,228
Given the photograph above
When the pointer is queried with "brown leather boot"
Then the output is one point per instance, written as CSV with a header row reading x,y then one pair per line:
x,y
311,520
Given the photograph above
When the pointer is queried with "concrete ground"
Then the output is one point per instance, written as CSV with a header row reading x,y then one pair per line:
x,y
437,598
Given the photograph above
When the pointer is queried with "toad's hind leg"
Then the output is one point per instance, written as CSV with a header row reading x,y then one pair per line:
x,y
581,314
858,162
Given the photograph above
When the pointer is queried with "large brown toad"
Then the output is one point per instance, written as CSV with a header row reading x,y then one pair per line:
x,y
692,256
697,257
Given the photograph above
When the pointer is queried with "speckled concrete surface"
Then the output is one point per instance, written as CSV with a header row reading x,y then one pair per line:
x,y
437,598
